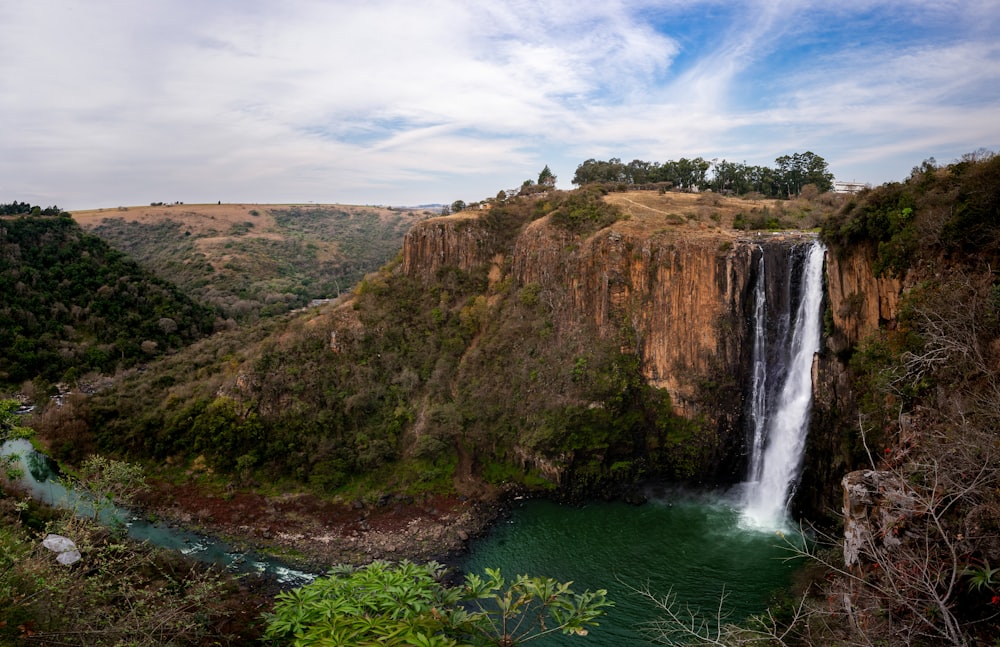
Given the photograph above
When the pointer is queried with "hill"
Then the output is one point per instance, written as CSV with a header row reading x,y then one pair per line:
x,y
72,304
254,261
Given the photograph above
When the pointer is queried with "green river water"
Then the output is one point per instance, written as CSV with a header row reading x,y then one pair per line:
x,y
693,546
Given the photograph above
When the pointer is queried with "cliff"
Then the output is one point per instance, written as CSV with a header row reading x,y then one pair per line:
x,y
461,240
679,297
860,301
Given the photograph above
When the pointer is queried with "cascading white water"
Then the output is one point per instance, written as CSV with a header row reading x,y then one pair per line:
x,y
758,394
786,423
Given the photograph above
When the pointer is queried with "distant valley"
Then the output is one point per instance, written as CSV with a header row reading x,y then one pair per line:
x,y
252,261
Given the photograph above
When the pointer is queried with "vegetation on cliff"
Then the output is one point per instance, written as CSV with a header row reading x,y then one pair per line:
x,y
941,215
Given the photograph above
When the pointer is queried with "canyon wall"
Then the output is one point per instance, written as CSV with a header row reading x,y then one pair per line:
x,y
682,296
679,300
859,300
461,240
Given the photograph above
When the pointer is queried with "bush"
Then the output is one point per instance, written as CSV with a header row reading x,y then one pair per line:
x,y
406,604
583,211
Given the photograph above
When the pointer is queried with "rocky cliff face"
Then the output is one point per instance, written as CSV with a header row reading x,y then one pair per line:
x,y
859,300
679,300
460,240
682,296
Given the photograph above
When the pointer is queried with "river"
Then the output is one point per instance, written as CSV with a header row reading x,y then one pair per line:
x,y
39,478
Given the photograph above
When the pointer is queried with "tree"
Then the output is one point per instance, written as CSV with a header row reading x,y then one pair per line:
x,y
546,178
10,427
458,205
797,170
107,481
406,604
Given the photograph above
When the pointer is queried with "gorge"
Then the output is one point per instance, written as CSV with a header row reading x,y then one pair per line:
x,y
529,349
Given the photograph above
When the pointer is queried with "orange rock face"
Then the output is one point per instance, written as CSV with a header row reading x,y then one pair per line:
x,y
679,295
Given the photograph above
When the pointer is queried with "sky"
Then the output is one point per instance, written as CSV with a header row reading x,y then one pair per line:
x,y
109,103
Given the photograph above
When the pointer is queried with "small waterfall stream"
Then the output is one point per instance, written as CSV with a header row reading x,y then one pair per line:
x,y
779,419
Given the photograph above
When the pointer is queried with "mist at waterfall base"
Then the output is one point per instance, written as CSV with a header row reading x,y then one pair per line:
x,y
695,547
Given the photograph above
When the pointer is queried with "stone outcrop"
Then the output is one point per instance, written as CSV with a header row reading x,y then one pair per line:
x,y
461,240
876,504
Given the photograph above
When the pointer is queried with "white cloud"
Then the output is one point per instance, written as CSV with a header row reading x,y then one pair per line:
x,y
387,101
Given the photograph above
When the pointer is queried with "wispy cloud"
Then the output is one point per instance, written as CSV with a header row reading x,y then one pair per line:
x,y
394,102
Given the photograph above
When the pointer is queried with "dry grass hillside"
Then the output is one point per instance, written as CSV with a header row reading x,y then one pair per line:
x,y
710,212
197,218
253,260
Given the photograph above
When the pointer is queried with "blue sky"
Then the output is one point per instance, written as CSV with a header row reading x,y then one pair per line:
x,y
117,102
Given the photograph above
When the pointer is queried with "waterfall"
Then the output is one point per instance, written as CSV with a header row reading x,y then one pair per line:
x,y
758,390
780,420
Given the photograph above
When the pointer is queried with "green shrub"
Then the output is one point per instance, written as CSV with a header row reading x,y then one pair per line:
x,y
405,604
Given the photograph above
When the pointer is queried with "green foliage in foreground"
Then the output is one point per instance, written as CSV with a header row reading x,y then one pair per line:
x,y
406,604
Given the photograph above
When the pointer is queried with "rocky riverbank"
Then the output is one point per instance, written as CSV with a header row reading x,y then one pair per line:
x,y
317,533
